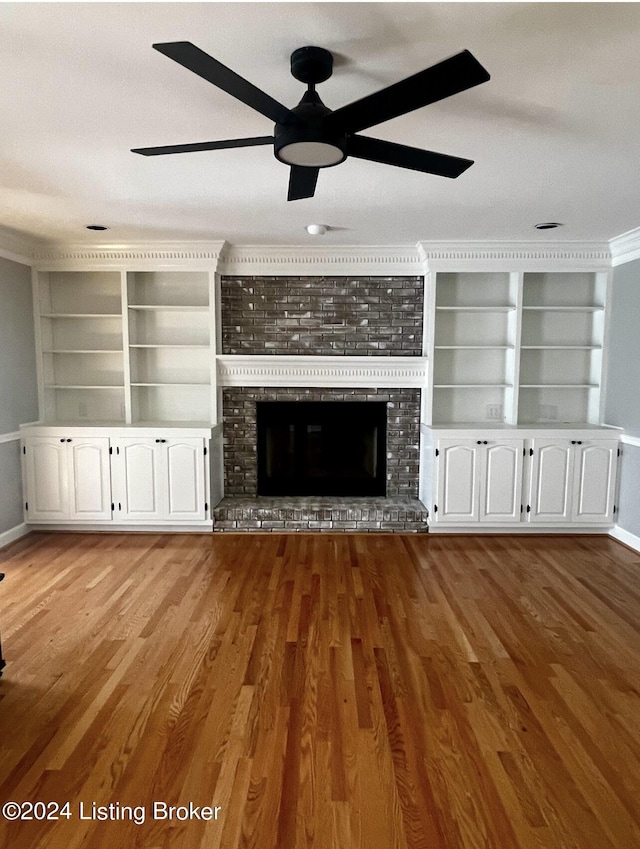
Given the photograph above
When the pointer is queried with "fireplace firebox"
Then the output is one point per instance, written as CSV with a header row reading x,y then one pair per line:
x,y
320,448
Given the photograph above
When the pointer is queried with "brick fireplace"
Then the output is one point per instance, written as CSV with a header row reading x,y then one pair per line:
x,y
318,320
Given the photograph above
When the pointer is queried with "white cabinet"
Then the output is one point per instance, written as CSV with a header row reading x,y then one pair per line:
x,y
160,479
478,480
67,478
123,476
519,479
572,480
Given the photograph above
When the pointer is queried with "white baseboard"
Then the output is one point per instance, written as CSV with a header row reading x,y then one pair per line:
x,y
13,534
626,537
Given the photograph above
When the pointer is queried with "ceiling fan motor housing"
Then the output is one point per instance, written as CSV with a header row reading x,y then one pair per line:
x,y
311,65
306,141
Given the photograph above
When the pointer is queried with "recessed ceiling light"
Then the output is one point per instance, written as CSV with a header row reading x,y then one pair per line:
x,y
316,229
548,225
96,227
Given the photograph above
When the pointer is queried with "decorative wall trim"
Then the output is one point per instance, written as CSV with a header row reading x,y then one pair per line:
x,y
9,437
300,260
311,260
626,247
628,439
17,247
123,255
514,256
626,537
331,259
13,534
320,371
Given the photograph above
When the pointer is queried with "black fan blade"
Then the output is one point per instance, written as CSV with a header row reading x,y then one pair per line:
x,y
302,182
193,148
205,66
363,147
451,76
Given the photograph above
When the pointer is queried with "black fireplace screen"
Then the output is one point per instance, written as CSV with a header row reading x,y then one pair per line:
x,y
321,448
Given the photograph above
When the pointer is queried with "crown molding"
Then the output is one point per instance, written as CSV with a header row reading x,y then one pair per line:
x,y
267,260
182,254
514,256
311,260
322,371
626,247
17,247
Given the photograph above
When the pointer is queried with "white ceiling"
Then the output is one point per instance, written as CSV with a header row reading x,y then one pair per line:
x,y
555,133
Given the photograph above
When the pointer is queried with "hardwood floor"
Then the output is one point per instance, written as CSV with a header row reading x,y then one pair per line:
x,y
387,692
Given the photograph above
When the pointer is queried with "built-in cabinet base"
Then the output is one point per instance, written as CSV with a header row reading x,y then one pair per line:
x,y
120,478
519,479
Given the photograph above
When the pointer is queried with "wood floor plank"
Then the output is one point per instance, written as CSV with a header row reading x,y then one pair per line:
x,y
323,691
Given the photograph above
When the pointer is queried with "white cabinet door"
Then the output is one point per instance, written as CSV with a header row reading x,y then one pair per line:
x,y
479,480
89,476
551,481
594,481
46,479
138,479
185,479
67,478
457,481
159,480
501,480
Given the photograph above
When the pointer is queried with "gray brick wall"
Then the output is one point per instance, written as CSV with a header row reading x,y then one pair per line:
x,y
240,432
322,315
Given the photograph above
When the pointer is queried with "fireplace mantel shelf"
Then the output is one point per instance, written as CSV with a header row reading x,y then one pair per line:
x,y
322,371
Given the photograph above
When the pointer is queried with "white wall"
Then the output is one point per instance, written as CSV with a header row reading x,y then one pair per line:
x,y
18,385
622,405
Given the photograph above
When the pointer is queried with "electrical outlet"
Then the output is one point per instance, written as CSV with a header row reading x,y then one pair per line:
x,y
494,411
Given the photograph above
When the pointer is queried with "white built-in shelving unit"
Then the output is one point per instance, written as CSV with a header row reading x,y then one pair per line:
x,y
81,340
516,348
563,323
169,332
125,347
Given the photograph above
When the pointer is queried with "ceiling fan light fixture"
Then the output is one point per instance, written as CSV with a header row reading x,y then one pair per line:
x,y
316,229
311,154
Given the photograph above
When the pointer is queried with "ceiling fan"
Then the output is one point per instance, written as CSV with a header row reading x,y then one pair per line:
x,y
311,136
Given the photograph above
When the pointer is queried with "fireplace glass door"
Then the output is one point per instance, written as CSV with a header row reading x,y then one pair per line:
x,y
321,448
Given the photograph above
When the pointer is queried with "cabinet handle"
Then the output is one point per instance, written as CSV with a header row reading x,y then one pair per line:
x,y
579,442
478,442
484,442
68,440
163,440
157,440
62,440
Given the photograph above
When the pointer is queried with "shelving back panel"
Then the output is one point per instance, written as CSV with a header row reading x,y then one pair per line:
x,y
168,288
459,328
81,334
475,289
557,366
84,405
171,404
463,405
171,365
169,327
84,292
565,328
581,288
562,405
103,369
472,365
